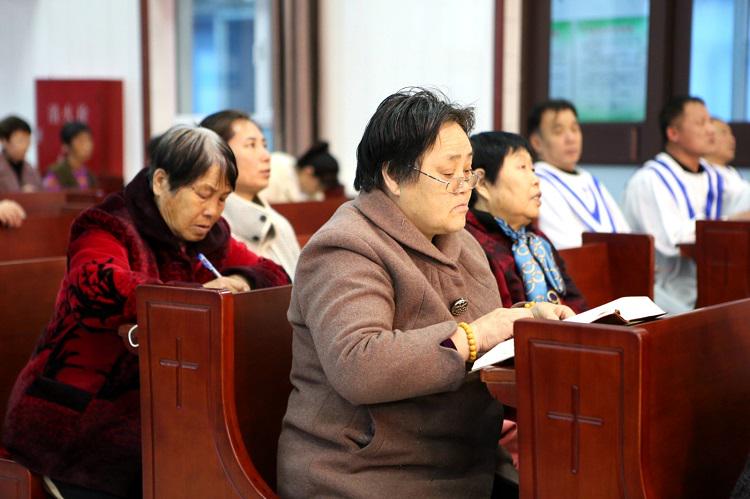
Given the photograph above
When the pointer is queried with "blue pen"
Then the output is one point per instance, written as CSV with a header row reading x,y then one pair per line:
x,y
210,266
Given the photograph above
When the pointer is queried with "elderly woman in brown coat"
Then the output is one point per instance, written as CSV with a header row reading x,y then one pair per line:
x,y
391,300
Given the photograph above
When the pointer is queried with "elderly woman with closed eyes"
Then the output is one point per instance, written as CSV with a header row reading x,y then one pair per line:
x,y
392,298
73,415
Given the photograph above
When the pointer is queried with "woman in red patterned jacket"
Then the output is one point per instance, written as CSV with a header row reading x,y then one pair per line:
x,y
73,415
526,265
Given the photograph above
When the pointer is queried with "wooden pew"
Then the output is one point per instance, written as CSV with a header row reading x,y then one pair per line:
x,y
17,482
654,411
309,216
40,236
722,258
53,203
214,367
609,266
28,290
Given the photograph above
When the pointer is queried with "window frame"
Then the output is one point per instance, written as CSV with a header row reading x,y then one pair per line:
x,y
668,73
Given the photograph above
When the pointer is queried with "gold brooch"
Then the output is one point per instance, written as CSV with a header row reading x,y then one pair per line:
x,y
459,306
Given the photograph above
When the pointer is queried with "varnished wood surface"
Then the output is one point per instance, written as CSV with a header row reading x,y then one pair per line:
x,y
40,236
17,482
722,257
28,290
608,266
308,216
654,411
214,366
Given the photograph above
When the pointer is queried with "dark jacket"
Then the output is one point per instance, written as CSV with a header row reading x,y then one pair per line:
x,y
74,411
497,246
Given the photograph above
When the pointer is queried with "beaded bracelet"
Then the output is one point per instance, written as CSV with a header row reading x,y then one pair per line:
x,y
471,339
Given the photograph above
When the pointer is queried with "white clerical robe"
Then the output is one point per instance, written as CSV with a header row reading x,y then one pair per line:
x,y
264,230
738,190
573,203
665,200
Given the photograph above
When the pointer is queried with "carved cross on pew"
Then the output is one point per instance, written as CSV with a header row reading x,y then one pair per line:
x,y
178,364
577,420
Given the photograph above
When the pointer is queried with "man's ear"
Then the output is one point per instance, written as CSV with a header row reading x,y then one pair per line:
x,y
673,134
390,182
536,141
160,182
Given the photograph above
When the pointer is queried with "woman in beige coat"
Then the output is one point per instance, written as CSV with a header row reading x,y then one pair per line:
x,y
392,298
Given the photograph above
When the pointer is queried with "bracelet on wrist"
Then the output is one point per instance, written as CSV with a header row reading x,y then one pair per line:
x,y
471,339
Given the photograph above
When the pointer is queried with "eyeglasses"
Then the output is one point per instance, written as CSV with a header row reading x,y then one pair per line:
x,y
455,184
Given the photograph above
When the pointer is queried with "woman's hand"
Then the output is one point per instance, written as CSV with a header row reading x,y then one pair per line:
x,y
490,329
544,310
11,213
234,283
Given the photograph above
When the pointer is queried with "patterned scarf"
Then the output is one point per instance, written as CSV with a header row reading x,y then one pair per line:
x,y
535,263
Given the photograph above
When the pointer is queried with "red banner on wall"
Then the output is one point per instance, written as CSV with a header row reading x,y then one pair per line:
x,y
98,103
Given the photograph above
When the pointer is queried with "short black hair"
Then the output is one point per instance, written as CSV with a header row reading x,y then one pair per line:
x,y
534,120
404,127
12,124
491,149
186,153
673,110
221,122
71,130
324,165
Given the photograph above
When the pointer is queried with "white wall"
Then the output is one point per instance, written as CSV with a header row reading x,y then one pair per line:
x,y
88,39
370,49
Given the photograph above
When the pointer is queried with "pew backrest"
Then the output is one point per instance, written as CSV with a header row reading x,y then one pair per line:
x,y
40,236
215,367
722,258
608,266
654,411
28,291
308,216
53,203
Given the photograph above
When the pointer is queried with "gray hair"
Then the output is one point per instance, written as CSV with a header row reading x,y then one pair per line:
x,y
186,152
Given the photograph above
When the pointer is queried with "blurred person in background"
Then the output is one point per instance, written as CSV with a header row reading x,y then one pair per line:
x,y
16,174
71,171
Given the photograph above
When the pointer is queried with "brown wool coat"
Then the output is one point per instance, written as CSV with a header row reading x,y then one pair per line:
x,y
379,407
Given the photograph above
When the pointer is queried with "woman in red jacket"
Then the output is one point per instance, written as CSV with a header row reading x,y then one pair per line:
x,y
73,414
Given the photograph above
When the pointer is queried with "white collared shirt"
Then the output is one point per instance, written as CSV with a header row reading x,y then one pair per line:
x,y
573,203
264,230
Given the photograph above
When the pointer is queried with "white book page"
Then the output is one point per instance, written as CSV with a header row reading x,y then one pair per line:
x,y
500,352
630,308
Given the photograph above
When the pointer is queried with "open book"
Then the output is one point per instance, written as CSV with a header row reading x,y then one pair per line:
x,y
627,310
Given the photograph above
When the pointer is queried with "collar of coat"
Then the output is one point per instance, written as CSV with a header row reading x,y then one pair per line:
x,y
140,203
377,207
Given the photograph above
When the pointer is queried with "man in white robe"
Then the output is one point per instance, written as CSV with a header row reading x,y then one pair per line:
x,y
573,200
670,192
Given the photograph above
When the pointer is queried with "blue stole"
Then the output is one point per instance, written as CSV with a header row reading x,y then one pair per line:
x,y
713,196
562,187
536,264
